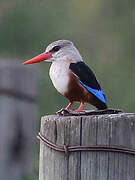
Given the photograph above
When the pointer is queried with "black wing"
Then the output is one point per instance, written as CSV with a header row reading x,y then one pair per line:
x,y
87,79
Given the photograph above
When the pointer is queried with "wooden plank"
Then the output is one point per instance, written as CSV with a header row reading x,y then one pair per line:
x,y
18,78
113,129
56,165
122,132
95,131
17,121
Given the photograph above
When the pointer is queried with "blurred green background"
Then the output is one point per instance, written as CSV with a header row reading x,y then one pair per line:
x,y
103,31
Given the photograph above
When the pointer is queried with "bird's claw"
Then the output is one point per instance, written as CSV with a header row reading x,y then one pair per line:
x,y
62,112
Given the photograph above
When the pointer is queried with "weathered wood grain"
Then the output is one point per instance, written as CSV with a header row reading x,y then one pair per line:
x,y
18,116
115,129
18,78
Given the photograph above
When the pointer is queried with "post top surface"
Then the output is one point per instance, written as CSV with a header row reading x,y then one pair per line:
x,y
101,116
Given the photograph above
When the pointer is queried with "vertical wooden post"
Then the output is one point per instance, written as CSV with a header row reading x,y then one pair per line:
x,y
105,130
18,113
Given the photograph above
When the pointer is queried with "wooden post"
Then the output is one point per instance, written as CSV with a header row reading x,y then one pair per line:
x,y
18,114
106,130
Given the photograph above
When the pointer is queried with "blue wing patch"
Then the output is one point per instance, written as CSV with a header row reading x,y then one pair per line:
x,y
98,93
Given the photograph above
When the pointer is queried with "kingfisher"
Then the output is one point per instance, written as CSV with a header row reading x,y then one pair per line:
x,y
71,76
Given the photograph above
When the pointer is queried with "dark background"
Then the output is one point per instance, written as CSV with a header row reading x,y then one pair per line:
x,y
103,31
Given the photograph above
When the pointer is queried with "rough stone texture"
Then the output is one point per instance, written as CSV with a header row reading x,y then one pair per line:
x,y
115,129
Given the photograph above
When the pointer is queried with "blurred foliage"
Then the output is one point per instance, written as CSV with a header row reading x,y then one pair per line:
x,y
103,31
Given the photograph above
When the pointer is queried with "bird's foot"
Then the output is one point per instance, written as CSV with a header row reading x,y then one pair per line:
x,y
68,111
64,112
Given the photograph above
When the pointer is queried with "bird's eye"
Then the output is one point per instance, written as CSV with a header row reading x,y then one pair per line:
x,y
55,49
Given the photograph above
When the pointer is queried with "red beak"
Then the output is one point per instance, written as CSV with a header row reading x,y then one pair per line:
x,y
41,57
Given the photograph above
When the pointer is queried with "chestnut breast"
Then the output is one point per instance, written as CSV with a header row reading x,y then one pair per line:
x,y
76,92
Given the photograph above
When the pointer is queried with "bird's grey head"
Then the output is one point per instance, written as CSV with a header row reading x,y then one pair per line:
x,y
62,50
